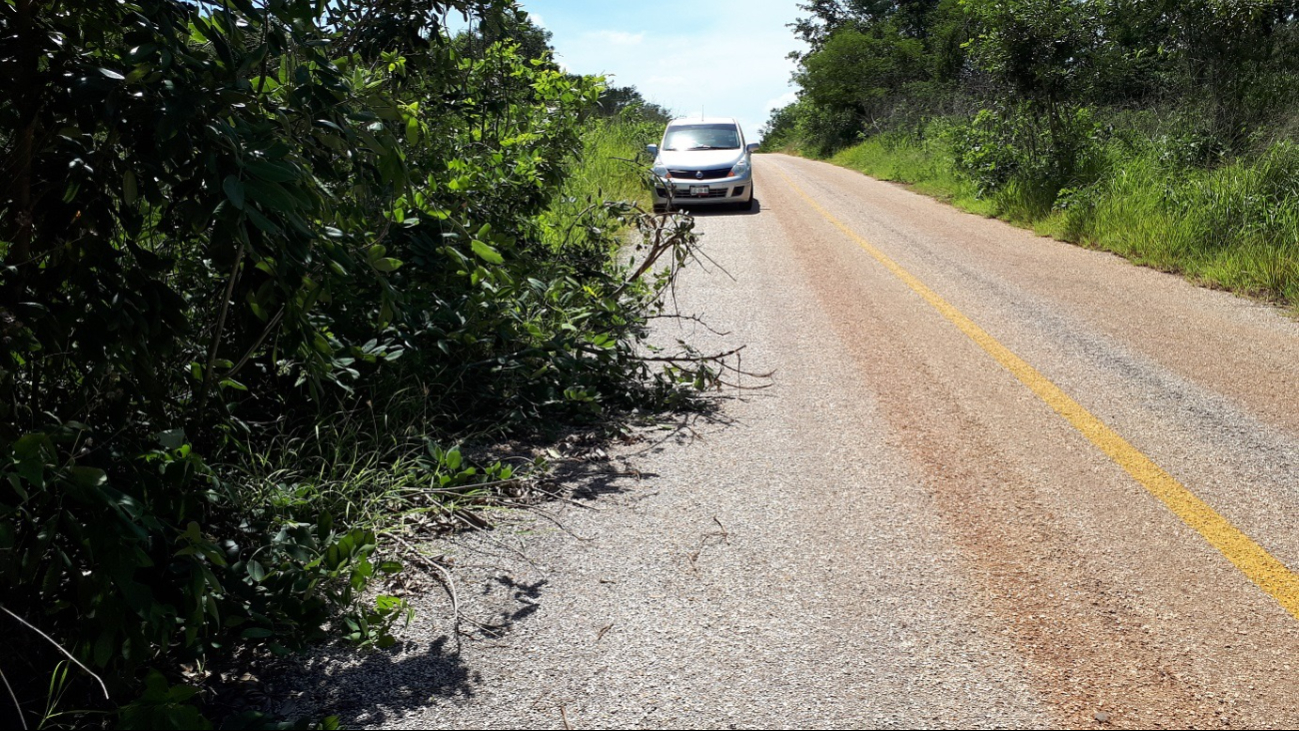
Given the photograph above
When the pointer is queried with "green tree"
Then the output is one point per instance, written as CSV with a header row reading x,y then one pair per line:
x,y
618,100
502,21
875,66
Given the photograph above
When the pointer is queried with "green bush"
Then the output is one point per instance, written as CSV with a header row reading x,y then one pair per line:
x,y
1026,160
228,229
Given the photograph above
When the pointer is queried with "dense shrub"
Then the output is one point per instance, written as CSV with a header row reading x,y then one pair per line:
x,y
226,224
1026,157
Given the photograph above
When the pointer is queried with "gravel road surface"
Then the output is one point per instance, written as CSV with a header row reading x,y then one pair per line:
x,y
897,533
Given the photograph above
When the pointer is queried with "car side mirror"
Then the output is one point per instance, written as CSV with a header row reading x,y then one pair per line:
x,y
653,150
753,146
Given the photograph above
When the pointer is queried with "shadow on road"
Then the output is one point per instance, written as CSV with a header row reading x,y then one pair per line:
x,y
373,688
381,687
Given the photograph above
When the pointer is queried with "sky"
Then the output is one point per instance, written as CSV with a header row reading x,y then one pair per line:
x,y
724,57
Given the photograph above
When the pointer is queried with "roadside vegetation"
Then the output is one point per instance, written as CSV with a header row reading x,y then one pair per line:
x,y
267,268
1163,131
611,166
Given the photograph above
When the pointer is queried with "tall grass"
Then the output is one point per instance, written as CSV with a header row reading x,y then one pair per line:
x,y
614,162
366,467
922,162
1233,227
612,167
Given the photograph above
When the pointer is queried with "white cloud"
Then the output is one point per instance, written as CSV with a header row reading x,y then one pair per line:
x,y
616,37
783,100
665,80
536,19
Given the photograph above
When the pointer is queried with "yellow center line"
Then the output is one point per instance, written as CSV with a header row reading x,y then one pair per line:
x,y
1259,566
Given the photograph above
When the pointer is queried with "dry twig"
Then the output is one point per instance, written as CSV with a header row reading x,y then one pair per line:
x,y
59,647
448,582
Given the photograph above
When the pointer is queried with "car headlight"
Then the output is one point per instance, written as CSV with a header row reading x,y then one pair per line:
x,y
741,168
660,171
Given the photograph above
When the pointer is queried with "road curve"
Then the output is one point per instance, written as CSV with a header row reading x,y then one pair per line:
x,y
900,532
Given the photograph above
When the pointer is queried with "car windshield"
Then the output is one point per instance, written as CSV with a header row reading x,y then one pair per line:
x,y
702,137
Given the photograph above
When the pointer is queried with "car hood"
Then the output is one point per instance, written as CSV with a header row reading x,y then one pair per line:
x,y
699,159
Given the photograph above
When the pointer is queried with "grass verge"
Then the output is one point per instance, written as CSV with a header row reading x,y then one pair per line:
x,y
924,164
1233,227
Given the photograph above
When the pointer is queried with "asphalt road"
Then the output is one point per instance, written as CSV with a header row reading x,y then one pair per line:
x,y
996,481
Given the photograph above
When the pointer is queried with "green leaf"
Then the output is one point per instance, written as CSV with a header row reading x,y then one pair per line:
x,y
262,222
171,439
256,571
486,253
274,172
17,484
104,647
257,633
385,604
31,451
234,191
267,83
272,196
387,264
88,478
130,191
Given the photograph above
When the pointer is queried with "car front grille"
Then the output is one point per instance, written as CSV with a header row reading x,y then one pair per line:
x,y
715,174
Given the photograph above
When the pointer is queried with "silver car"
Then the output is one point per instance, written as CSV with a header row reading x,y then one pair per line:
x,y
702,161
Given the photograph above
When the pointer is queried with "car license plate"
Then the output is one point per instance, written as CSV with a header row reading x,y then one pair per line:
x,y
699,191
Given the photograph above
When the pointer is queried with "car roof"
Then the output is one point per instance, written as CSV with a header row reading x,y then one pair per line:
x,y
703,120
